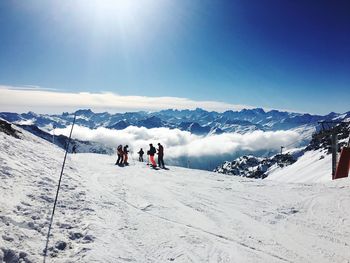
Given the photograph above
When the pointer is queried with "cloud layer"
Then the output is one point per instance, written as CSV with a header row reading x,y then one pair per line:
x,y
21,99
181,146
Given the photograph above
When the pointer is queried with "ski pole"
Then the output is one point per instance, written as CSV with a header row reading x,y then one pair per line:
x,y
58,189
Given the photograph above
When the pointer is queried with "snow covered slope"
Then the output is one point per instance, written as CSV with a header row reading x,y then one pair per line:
x,y
313,166
29,170
134,214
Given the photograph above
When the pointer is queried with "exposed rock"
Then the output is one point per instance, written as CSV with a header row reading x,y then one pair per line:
x,y
10,256
61,245
7,128
254,167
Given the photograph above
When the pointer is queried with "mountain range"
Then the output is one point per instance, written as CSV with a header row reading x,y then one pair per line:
x,y
198,121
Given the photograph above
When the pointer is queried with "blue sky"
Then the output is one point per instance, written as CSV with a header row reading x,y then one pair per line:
x,y
275,54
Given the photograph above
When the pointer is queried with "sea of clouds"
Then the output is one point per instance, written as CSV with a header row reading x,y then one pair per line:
x,y
186,149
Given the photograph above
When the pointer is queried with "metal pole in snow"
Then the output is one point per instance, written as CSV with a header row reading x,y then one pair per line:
x,y
282,149
334,153
53,134
58,189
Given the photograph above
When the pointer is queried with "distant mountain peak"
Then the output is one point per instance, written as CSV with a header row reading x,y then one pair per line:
x,y
84,112
197,120
259,110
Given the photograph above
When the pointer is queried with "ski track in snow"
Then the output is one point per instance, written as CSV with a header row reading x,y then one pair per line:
x,y
230,223
108,213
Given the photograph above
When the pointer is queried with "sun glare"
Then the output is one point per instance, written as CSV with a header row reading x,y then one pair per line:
x,y
124,12
127,20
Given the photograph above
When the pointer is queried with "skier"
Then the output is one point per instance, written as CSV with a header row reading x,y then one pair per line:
x,y
126,151
160,156
140,152
152,151
120,155
74,149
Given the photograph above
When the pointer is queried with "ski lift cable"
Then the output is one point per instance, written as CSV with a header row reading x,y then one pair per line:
x,y
286,146
323,122
297,141
58,188
293,143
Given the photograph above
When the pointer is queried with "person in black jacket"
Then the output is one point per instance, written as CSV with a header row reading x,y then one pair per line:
x,y
140,152
120,155
160,156
74,149
152,152
126,151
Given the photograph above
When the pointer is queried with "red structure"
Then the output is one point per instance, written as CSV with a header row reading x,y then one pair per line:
x,y
343,166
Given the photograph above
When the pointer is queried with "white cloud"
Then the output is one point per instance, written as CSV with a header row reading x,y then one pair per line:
x,y
182,145
27,87
20,99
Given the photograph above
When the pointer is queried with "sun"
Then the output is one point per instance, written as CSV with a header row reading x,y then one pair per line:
x,y
123,12
127,20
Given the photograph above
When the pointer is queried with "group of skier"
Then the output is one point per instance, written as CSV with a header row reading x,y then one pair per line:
x,y
123,155
160,151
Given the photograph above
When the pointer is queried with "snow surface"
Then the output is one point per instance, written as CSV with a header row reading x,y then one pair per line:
x,y
313,166
108,213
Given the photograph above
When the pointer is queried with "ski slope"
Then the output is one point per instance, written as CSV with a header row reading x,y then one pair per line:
x,y
108,213
313,166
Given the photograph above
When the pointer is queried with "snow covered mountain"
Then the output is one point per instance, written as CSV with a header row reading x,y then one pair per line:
x,y
318,151
107,213
61,141
196,121
254,167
